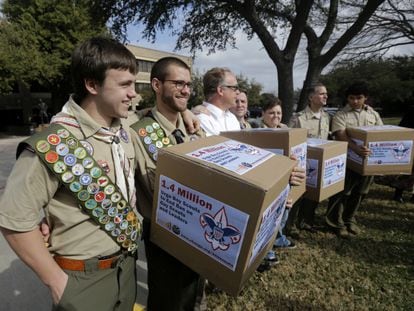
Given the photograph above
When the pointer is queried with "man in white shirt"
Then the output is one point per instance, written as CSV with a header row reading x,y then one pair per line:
x,y
220,91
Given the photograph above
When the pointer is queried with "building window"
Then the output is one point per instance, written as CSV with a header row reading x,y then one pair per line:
x,y
140,87
144,66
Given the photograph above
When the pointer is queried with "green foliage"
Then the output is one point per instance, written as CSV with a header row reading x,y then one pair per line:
x,y
39,37
391,82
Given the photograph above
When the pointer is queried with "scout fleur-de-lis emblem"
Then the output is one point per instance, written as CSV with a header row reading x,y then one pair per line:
x,y
400,152
217,230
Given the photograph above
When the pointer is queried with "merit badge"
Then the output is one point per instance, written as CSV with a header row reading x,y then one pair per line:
x,y
118,218
51,157
68,177
109,226
112,211
126,244
85,179
116,232
105,166
104,219
72,142
121,238
53,139
75,186
124,225
160,133
42,146
121,204
63,133
154,136
96,172
155,125
69,159
134,235
133,247
97,212
87,145
93,188
152,148
147,140
90,204
103,181
166,141
78,169
83,195
129,229
149,129
80,152
106,204
59,167
110,189
116,197
142,132
62,149
124,135
100,196
130,216
87,162
155,156
158,144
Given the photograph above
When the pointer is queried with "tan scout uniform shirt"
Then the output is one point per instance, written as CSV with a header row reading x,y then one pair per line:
x,y
280,126
145,177
245,125
31,188
317,126
349,117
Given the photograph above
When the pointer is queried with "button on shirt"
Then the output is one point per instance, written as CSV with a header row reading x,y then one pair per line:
x,y
316,124
218,120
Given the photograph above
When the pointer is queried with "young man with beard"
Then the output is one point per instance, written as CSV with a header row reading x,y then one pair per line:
x,y
171,284
80,173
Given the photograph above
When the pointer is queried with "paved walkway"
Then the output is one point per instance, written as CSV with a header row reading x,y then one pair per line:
x,y
20,289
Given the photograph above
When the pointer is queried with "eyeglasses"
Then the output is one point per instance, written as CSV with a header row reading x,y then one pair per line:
x,y
180,84
234,88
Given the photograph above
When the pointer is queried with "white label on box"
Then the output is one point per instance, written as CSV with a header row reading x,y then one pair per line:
x,y
300,152
312,172
334,170
270,223
313,142
275,150
379,127
233,156
390,152
352,155
203,222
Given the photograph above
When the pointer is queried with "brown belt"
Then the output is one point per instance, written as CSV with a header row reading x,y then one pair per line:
x,y
79,265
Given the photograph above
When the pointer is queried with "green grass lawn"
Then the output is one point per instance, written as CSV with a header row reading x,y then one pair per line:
x,y
371,271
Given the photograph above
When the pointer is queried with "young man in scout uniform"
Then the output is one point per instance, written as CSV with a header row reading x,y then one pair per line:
x,y
343,206
317,122
80,173
171,284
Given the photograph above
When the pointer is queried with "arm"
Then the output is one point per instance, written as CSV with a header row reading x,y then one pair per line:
x,y
298,175
30,248
363,151
192,123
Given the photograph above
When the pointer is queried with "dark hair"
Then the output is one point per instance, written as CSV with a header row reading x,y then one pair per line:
x,y
357,88
212,79
271,102
160,69
93,57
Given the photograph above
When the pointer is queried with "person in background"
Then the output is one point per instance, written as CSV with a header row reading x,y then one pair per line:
x,y
272,114
343,206
317,122
240,110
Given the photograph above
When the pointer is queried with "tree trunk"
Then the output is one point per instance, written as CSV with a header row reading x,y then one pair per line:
x,y
285,90
312,75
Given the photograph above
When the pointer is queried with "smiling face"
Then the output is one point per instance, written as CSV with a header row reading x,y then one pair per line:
x,y
114,95
240,109
272,116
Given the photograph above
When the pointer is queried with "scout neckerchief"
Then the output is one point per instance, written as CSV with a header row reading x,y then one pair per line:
x,y
95,193
123,169
151,134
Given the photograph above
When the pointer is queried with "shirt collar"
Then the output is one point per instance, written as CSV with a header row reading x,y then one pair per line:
x,y
166,125
215,111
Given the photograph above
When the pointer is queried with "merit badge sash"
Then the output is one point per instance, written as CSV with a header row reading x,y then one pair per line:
x,y
152,135
95,193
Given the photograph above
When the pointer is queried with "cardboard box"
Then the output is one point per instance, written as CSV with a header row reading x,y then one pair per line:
x,y
325,168
218,206
285,141
391,150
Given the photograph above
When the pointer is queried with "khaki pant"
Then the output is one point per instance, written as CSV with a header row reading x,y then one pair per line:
x,y
103,290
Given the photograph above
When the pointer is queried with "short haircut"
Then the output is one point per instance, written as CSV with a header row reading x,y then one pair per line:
x,y
271,102
357,88
312,89
212,79
93,57
160,69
